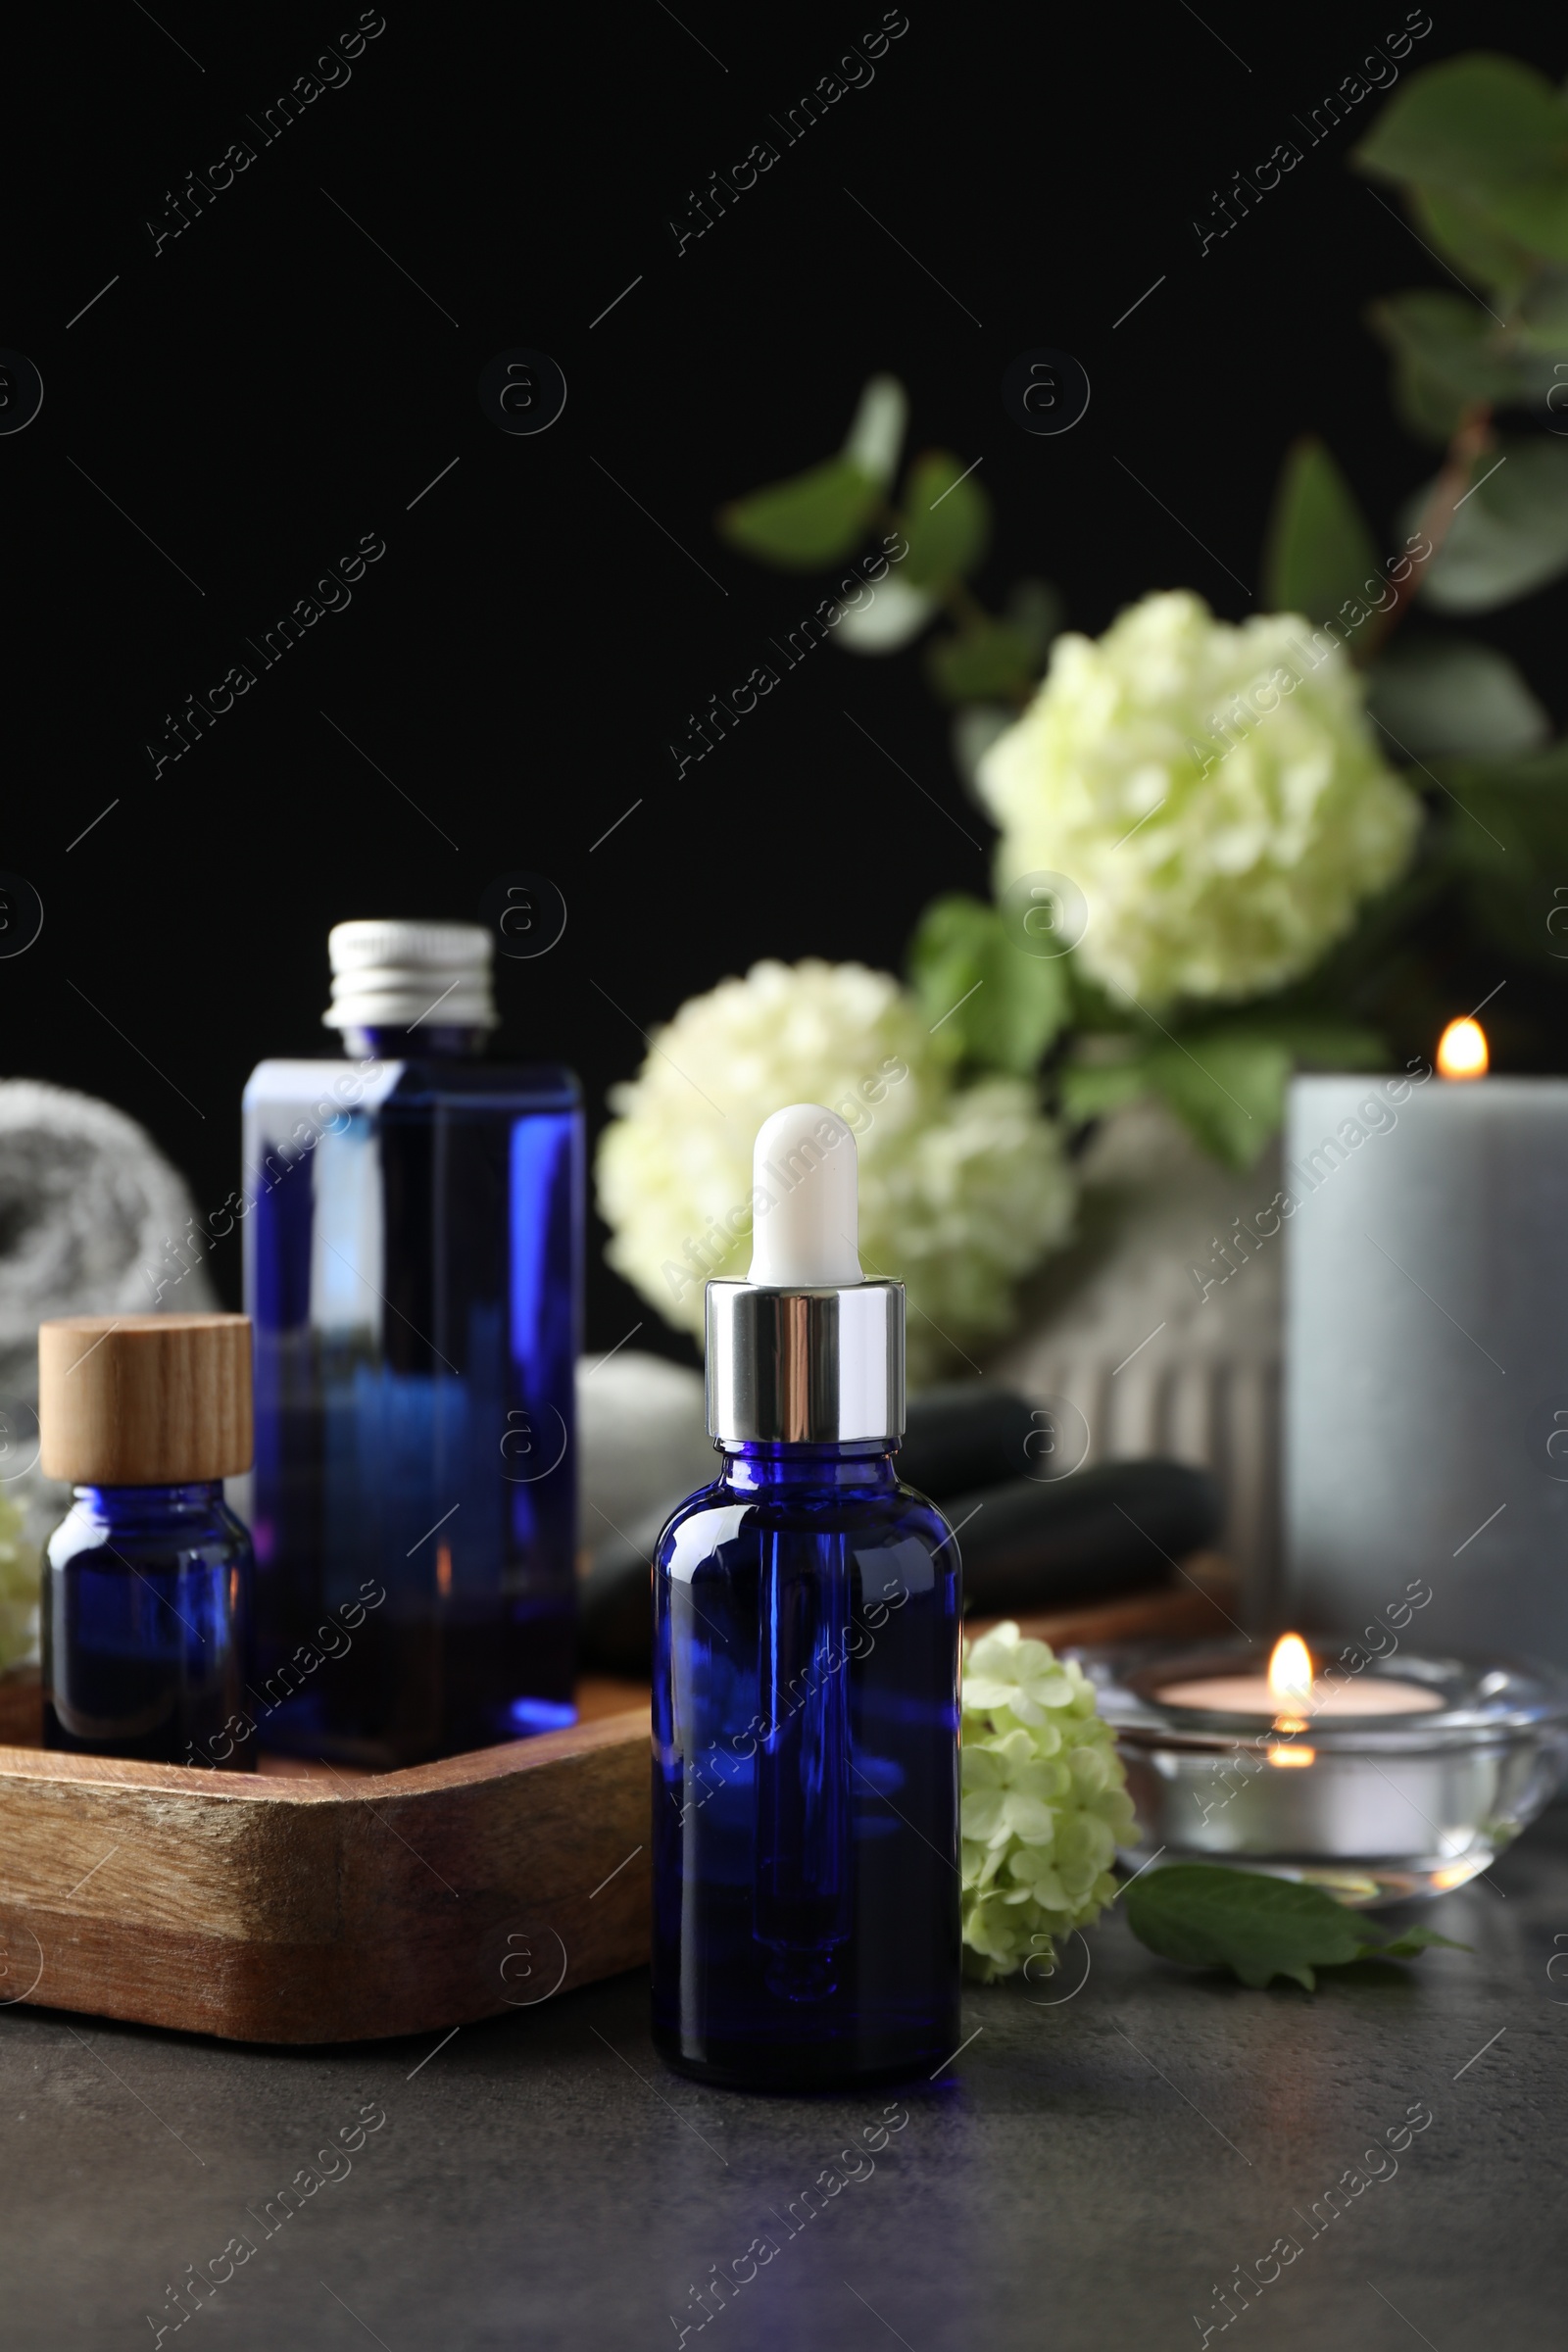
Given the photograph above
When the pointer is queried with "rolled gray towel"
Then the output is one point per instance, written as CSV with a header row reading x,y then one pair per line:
x,y
92,1219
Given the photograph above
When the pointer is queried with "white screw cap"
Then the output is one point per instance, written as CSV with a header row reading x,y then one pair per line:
x,y
402,975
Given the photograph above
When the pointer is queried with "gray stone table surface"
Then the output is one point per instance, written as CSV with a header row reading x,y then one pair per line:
x,y
1088,2172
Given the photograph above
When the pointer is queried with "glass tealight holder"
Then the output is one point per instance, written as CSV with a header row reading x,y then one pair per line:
x,y
1374,1808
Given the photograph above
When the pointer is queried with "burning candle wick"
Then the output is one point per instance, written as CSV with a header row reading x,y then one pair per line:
x,y
1292,1695
1462,1050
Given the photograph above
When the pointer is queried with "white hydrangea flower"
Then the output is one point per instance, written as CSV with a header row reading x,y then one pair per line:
x,y
964,1190
1215,792
1006,1671
1007,1792
1045,1803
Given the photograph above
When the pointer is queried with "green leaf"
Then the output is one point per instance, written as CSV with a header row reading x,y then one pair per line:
x,y
1257,1926
946,519
1097,1011
1524,801
1002,1005
1487,128
813,518
1416,1939
1324,1040
1424,398
1319,548
1543,325
1510,534
1091,1090
984,665
1480,250
1037,610
1227,1086
1439,695
1504,832
1447,354
817,516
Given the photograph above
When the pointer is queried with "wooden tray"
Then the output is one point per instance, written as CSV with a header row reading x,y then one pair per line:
x,y
299,1904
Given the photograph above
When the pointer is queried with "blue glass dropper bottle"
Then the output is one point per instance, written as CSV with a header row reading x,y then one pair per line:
x,y
146,1603
805,1675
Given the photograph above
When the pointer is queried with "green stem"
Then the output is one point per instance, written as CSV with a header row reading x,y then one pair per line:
x,y
960,602
1472,437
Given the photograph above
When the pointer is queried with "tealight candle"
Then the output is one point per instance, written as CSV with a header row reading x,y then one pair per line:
x,y
1378,1786
1291,1698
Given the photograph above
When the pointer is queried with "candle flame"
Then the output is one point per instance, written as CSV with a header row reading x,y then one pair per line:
x,y
1290,1673
1280,1754
1462,1050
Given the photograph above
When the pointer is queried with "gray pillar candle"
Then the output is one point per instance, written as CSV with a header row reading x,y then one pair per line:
x,y
1426,1419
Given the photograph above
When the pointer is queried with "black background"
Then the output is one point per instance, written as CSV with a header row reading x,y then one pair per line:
x,y
270,387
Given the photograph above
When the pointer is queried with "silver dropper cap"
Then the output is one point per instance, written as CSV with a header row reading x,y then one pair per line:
x,y
805,1351
806,1367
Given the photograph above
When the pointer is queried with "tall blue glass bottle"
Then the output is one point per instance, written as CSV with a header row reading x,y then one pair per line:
x,y
413,1250
806,1695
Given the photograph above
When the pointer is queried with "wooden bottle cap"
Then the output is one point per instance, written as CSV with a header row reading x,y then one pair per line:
x,y
145,1401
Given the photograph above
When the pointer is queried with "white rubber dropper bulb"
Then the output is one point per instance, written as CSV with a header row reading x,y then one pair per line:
x,y
805,1202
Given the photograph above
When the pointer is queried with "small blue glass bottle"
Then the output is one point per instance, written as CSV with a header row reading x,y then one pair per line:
x,y
806,1679
146,1602
414,1266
